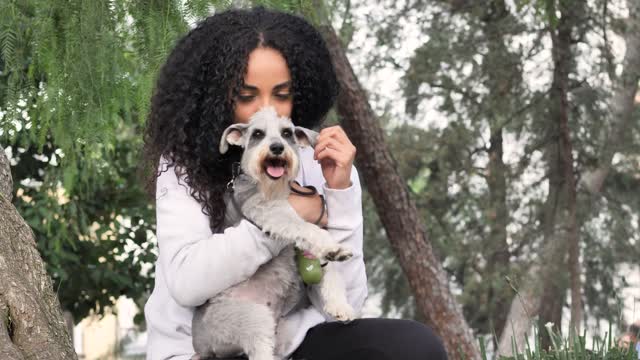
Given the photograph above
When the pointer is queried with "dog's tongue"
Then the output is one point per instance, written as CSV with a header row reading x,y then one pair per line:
x,y
275,171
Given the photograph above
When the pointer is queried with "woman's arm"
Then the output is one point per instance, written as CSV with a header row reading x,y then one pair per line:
x,y
197,264
335,153
308,207
345,224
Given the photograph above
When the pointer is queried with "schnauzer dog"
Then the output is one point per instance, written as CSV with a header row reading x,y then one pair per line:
x,y
244,319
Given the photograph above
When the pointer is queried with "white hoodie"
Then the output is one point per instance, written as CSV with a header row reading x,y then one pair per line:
x,y
194,265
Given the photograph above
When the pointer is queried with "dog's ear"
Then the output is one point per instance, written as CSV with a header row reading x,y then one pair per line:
x,y
232,135
305,136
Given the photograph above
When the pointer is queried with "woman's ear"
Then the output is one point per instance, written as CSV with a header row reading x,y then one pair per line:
x,y
305,136
232,135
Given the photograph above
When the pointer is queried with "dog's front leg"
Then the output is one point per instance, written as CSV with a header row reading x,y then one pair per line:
x,y
282,223
334,295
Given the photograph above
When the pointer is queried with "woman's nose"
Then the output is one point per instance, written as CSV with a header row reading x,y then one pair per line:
x,y
266,101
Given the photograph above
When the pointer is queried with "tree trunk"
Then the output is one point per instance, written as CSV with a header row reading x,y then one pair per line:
x,y
523,308
546,285
500,82
6,181
397,211
30,313
562,59
622,103
498,260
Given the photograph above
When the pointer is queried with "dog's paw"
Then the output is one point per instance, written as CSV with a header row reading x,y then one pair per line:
x,y
340,311
337,253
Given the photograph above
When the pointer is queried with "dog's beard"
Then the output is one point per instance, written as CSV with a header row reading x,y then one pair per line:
x,y
273,174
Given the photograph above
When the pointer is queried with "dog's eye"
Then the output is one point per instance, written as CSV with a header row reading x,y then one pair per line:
x,y
257,134
286,133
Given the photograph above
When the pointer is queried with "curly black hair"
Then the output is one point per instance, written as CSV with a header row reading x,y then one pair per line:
x,y
193,101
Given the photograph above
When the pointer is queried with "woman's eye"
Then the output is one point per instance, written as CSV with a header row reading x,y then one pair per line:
x,y
283,96
286,133
244,98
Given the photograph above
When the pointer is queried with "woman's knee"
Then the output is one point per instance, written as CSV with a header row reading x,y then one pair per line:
x,y
431,345
406,339
379,339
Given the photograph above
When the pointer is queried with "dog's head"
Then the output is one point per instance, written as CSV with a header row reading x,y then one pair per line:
x,y
270,144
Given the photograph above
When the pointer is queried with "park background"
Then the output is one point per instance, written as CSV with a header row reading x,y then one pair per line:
x,y
498,144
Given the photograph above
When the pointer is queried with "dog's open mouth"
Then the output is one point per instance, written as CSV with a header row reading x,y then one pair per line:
x,y
275,167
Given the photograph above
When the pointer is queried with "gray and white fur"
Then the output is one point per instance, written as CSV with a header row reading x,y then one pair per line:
x,y
245,317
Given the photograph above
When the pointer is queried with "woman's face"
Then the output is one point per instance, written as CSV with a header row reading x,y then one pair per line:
x,y
267,83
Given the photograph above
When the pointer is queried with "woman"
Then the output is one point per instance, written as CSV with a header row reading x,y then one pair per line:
x,y
223,71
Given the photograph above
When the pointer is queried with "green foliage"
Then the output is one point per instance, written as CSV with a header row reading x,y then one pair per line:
x,y
76,68
484,71
96,242
439,163
571,348
302,7
76,78
545,9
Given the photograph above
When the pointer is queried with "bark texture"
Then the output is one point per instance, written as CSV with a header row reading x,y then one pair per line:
x,y
6,181
543,292
30,313
397,211
502,74
560,218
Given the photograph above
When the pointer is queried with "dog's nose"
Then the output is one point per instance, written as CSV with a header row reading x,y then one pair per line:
x,y
276,148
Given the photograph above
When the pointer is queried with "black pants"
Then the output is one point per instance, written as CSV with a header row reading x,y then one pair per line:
x,y
371,339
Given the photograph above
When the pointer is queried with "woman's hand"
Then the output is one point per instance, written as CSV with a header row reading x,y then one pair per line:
x,y
336,153
308,208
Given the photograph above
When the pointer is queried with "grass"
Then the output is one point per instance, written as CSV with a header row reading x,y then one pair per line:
x,y
571,348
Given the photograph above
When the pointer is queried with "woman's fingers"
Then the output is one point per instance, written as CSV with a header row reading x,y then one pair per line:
x,y
335,155
334,137
330,143
331,150
335,132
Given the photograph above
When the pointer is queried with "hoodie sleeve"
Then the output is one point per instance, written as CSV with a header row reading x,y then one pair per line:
x,y
345,224
198,264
